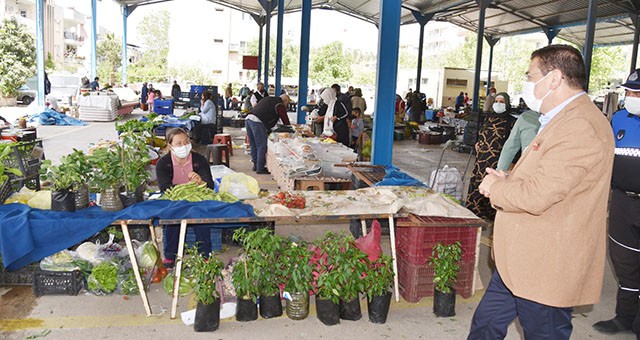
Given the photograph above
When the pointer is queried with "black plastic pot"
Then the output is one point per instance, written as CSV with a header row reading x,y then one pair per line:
x,y
350,310
270,306
207,317
378,307
328,312
444,304
63,200
246,310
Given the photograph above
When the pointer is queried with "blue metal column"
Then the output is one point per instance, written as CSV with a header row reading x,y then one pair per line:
x,y
94,38
422,21
588,40
303,73
267,41
492,42
476,81
383,117
260,51
551,33
40,50
125,61
636,40
279,46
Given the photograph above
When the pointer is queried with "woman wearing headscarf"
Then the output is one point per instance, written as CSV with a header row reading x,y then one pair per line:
x,y
334,114
358,101
491,138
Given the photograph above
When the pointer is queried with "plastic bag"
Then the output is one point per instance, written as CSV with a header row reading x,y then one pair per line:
x,y
240,186
40,200
21,196
146,253
370,243
448,181
89,252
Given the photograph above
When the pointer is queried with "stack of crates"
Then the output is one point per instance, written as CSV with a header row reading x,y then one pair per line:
x,y
195,94
415,244
163,107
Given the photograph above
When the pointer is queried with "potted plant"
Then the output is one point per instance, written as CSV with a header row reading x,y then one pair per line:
x,y
62,196
295,270
134,157
6,169
352,265
78,165
244,278
107,177
377,282
326,271
265,248
205,271
444,260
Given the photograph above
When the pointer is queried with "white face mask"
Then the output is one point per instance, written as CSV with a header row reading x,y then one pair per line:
x,y
499,107
181,151
529,96
632,104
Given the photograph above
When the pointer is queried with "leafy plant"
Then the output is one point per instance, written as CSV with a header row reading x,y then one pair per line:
x,y
17,48
107,169
5,152
295,267
134,156
444,260
263,249
74,169
204,272
56,174
338,266
379,276
245,276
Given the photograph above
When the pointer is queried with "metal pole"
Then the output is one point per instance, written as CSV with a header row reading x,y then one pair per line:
x,y
279,46
383,117
267,41
40,50
303,73
492,42
260,50
476,81
636,40
125,61
420,45
94,38
588,41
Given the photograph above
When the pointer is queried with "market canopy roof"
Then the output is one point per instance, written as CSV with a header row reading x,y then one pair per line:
x,y
503,17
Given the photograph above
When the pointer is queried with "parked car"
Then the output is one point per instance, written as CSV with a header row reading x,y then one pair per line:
x,y
26,95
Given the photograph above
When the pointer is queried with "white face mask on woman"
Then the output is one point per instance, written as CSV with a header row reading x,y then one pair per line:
x,y
499,107
632,104
529,95
181,151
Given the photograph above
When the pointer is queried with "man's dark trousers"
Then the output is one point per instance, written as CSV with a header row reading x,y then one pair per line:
x,y
499,307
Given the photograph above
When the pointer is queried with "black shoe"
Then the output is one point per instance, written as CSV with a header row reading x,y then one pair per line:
x,y
253,168
612,326
263,172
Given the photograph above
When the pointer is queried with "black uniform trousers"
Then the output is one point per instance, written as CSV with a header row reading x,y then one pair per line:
x,y
624,250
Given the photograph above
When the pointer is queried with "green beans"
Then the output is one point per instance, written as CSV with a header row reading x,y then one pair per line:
x,y
193,192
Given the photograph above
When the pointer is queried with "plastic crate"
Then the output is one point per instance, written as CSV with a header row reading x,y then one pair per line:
x,y
416,281
190,238
163,107
20,277
57,283
416,243
5,190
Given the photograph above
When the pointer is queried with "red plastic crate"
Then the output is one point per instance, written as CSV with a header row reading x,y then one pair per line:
x,y
416,281
416,243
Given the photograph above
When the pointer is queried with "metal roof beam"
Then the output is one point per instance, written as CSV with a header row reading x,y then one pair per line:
x,y
567,25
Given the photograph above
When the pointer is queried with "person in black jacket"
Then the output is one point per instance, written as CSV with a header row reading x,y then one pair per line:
x,y
182,166
261,119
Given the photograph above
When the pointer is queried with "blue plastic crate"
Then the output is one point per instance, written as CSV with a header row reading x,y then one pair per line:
x,y
190,238
163,107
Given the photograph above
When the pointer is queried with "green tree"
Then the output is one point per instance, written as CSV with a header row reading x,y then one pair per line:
x,y
290,56
192,73
329,64
512,56
18,57
109,51
49,64
153,31
606,62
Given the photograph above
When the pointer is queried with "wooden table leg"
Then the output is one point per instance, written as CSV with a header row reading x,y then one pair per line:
x,y
392,236
178,268
136,268
152,230
363,223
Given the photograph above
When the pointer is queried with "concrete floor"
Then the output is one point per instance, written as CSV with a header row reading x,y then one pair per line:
x,y
113,317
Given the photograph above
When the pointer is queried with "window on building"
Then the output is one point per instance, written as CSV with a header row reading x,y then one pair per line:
x,y
424,81
456,82
218,41
217,71
23,13
218,9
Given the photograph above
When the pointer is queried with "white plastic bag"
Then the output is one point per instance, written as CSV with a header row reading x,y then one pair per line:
x,y
447,181
240,186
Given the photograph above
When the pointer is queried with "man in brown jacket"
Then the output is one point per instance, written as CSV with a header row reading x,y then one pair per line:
x,y
550,228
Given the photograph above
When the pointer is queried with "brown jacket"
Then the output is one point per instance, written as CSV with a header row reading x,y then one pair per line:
x,y
550,228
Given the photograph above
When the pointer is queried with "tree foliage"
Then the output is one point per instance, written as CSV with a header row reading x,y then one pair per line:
x,y
109,51
329,64
606,62
18,56
192,73
290,56
153,31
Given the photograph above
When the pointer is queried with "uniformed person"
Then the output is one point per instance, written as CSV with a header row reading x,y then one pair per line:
x,y
624,212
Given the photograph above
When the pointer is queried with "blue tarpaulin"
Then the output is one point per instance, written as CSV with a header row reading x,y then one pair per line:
x,y
52,117
28,235
395,177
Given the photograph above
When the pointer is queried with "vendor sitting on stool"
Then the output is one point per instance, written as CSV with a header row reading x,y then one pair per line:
x,y
182,166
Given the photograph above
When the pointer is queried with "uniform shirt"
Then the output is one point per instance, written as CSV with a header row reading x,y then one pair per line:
x,y
626,163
